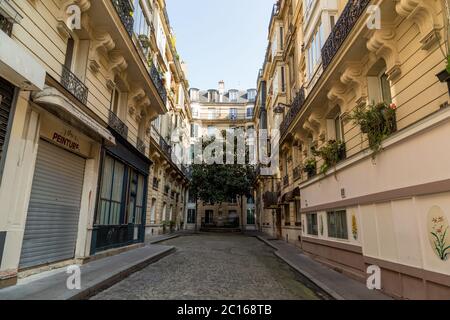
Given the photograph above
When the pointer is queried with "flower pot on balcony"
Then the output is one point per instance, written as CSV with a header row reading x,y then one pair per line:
x,y
444,76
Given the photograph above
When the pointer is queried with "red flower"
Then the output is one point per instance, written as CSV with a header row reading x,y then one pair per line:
x,y
393,106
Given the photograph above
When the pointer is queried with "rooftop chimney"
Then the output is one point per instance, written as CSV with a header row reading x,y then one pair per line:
x,y
221,90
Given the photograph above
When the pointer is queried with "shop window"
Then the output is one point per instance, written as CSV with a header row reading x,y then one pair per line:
x,y
337,224
311,222
192,216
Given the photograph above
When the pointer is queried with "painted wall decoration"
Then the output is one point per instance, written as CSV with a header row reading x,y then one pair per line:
x,y
354,227
438,232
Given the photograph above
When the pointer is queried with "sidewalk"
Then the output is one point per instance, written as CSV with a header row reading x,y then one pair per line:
x,y
95,276
169,236
337,285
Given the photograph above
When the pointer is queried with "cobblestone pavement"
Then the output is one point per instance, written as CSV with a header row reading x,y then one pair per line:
x,y
209,267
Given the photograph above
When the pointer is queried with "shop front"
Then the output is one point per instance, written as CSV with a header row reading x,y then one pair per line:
x,y
122,198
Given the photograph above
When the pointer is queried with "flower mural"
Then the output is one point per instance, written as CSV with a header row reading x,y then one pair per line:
x,y
439,230
354,227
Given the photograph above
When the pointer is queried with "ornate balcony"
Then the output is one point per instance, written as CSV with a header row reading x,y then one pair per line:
x,y
5,25
140,145
118,125
350,15
125,12
296,107
158,82
74,85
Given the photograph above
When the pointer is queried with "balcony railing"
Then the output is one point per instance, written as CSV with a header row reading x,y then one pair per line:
x,y
125,12
296,106
158,82
6,25
350,15
165,147
117,125
140,145
74,85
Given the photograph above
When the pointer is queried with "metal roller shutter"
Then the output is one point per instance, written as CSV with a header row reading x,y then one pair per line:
x,y
53,213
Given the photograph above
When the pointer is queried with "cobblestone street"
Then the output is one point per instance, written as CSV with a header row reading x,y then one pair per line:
x,y
211,266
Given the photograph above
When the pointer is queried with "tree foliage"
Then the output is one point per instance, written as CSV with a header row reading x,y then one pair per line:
x,y
218,183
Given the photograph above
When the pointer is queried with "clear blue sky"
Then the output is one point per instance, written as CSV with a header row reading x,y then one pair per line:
x,y
221,39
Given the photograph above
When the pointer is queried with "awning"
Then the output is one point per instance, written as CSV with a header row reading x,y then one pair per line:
x,y
58,103
291,196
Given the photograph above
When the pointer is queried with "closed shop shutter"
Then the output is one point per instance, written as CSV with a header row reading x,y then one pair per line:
x,y
6,101
52,221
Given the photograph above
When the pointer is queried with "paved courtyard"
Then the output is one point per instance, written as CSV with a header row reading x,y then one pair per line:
x,y
210,266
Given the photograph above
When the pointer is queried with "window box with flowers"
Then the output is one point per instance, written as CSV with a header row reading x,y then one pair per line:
x,y
310,168
331,153
377,121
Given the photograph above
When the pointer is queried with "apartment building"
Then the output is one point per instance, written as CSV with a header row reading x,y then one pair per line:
x,y
213,112
347,194
81,84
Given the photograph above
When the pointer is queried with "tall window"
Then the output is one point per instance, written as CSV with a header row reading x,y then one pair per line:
x,y
311,221
251,216
194,130
192,216
337,224
249,112
283,80
233,114
233,95
315,50
338,128
115,100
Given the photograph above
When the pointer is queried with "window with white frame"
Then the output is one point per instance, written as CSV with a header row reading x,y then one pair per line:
x,y
379,88
315,50
311,224
337,224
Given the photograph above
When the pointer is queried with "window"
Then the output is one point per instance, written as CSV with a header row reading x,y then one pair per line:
x,y
379,86
140,21
385,89
194,130
153,211
209,216
115,100
250,112
251,216
192,198
281,38
122,199
251,95
250,200
69,53
311,221
338,128
315,50
212,114
194,95
192,216
233,114
233,95
337,224
283,82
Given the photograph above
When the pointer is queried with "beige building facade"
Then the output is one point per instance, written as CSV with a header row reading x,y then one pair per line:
x,y
384,206
81,83
215,111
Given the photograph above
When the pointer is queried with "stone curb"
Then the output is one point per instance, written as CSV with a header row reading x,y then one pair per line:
x,y
306,274
156,241
95,288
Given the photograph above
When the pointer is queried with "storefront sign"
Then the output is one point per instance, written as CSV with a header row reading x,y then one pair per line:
x,y
67,139
65,136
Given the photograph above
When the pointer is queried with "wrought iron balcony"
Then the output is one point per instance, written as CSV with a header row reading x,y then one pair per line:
x,y
296,106
140,145
6,25
158,82
117,125
125,12
350,15
74,85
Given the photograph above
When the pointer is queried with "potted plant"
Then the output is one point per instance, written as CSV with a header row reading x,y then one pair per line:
x,y
378,121
310,167
172,225
331,153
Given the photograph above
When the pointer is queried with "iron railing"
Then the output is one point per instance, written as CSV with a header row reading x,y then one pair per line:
x,y
140,145
296,107
117,125
158,81
125,12
74,85
6,25
350,15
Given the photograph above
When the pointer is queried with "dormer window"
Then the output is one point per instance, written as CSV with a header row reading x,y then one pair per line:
x,y
233,95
